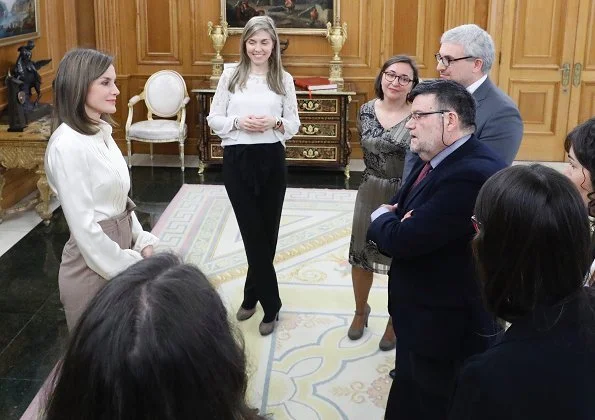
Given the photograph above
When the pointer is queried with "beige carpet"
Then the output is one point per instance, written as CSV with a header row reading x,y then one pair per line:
x,y
307,369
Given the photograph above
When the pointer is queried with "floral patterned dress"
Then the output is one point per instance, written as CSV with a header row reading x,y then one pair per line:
x,y
384,157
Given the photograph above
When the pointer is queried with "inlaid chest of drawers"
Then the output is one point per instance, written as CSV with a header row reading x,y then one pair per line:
x,y
323,139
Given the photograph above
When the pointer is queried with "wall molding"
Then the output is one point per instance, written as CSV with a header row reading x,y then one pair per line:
x,y
107,24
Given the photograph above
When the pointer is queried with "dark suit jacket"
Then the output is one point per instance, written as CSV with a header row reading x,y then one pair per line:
x,y
433,294
498,124
536,372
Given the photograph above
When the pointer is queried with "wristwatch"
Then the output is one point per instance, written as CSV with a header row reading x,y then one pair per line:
x,y
278,123
236,123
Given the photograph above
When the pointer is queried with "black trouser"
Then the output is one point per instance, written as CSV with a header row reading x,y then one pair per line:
x,y
255,177
422,386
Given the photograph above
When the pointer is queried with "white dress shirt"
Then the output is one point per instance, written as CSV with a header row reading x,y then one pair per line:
x,y
474,86
89,176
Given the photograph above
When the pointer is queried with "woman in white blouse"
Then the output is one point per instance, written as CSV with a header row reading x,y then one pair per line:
x,y
254,111
87,172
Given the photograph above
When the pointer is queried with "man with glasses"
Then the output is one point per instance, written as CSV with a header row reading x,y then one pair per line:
x,y
466,56
433,297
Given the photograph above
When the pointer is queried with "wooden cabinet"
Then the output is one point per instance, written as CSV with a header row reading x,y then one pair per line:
x,y
322,139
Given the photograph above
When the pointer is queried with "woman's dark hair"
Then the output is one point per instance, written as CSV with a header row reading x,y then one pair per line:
x,y
532,248
78,69
582,141
395,59
155,343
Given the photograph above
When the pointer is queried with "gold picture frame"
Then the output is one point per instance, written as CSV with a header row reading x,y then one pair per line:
x,y
292,17
20,23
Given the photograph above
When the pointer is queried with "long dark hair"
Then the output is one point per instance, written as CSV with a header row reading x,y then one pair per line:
x,y
155,343
532,248
582,141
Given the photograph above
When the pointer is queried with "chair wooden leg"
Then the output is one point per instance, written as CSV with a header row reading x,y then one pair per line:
x,y
129,146
182,155
151,151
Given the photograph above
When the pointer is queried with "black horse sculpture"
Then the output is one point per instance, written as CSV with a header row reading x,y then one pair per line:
x,y
25,70
21,80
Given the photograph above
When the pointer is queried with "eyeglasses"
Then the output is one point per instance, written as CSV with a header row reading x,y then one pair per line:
x,y
447,61
476,223
402,80
418,115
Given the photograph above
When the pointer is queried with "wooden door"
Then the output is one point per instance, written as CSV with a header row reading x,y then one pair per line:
x,y
548,68
582,98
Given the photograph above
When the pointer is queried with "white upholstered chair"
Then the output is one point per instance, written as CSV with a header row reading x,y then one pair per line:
x,y
165,96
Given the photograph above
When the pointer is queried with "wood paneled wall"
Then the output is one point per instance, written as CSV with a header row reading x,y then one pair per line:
x,y
150,35
58,35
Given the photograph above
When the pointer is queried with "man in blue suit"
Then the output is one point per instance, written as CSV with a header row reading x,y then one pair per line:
x,y
434,300
466,56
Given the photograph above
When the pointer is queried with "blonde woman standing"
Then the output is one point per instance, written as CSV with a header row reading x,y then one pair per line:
x,y
254,111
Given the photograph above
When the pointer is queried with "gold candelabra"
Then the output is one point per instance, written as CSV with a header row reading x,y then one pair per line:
x,y
218,35
336,35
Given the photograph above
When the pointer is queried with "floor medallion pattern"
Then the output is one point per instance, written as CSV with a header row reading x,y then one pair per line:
x,y
308,368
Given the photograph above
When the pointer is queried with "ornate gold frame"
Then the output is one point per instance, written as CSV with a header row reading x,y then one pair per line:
x,y
7,40
280,29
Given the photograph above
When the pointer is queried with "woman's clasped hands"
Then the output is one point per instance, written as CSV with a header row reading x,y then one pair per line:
x,y
257,123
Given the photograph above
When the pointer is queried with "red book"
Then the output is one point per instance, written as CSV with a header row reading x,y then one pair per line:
x,y
314,83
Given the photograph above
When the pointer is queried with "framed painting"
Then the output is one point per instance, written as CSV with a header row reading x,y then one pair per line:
x,y
19,21
298,17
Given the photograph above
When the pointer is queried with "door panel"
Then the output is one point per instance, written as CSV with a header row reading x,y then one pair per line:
x,y
531,71
538,103
582,105
531,46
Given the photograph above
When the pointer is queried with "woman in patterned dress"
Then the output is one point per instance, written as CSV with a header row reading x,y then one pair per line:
x,y
384,140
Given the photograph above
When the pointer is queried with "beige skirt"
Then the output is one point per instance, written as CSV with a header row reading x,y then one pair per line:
x,y
77,282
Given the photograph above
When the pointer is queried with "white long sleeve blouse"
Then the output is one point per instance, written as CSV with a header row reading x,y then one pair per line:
x,y
256,98
89,176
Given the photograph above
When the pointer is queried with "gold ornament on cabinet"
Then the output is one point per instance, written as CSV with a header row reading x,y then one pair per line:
x,y
218,35
336,35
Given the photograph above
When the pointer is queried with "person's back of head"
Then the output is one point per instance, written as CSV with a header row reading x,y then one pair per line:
x,y
155,343
475,41
532,246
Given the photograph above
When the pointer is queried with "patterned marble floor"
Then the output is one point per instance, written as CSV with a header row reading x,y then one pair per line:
x,y
32,324
308,368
